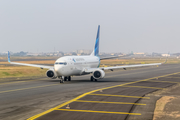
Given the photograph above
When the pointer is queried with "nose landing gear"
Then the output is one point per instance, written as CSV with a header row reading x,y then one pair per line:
x,y
62,79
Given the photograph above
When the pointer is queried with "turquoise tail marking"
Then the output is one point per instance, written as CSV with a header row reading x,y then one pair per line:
x,y
96,49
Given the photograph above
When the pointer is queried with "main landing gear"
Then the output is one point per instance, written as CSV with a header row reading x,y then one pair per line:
x,y
92,79
62,79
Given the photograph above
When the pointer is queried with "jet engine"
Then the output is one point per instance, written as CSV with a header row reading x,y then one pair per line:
x,y
51,74
98,74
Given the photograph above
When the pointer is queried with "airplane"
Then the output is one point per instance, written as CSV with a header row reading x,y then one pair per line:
x,y
68,66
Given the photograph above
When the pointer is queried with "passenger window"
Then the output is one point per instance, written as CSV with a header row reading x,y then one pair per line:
x,y
65,63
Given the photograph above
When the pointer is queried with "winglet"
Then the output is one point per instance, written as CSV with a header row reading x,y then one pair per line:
x,y
9,57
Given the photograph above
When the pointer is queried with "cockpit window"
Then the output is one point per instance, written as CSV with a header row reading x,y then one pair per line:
x,y
61,63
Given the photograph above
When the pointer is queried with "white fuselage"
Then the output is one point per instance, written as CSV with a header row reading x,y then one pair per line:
x,y
75,65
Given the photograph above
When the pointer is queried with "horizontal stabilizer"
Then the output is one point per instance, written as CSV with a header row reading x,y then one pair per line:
x,y
112,57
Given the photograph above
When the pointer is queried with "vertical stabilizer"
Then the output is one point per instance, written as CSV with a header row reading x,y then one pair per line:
x,y
96,48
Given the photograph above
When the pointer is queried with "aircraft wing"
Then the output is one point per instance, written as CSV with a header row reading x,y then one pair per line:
x,y
90,70
31,65
129,66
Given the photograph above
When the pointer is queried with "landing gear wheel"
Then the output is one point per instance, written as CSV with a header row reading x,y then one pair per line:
x,y
92,78
61,81
65,78
69,78
95,80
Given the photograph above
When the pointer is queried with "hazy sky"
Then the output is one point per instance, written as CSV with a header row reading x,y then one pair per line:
x,y
67,25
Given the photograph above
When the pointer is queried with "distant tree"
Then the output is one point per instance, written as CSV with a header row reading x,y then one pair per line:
x,y
20,53
73,53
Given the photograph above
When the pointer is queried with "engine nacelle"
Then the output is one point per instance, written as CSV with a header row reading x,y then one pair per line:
x,y
51,74
98,74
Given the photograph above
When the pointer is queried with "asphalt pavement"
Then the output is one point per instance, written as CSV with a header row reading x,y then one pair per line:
x,y
22,99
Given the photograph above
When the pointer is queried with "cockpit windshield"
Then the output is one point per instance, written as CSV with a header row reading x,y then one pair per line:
x,y
60,63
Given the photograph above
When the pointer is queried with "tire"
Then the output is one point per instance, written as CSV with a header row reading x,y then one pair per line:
x,y
69,78
65,78
95,80
92,78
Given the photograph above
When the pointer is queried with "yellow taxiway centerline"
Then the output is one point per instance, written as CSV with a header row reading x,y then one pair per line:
x,y
120,96
173,77
26,88
109,102
18,82
162,81
91,111
143,87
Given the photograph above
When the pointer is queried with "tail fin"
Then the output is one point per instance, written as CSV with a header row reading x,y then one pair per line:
x,y
96,48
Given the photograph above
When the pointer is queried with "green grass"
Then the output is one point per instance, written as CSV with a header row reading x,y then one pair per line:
x,y
5,73
21,71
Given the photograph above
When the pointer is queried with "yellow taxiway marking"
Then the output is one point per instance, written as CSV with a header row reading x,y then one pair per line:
x,y
142,87
26,88
91,111
109,102
162,81
87,93
18,82
121,96
173,77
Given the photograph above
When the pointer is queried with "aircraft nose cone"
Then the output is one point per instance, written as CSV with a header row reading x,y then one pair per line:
x,y
58,70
